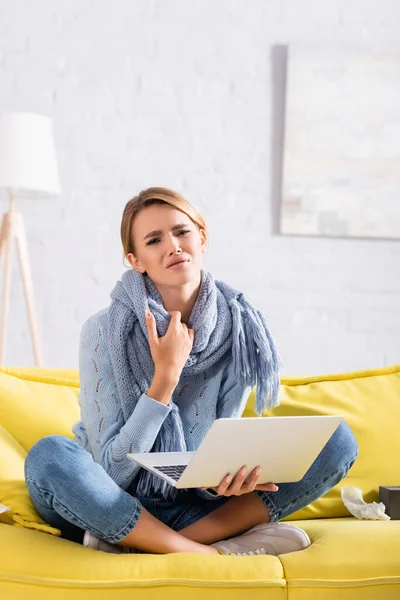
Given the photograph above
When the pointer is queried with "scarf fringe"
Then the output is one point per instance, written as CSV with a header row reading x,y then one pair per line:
x,y
255,356
170,441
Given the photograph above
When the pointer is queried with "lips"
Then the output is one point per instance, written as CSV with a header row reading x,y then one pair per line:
x,y
177,262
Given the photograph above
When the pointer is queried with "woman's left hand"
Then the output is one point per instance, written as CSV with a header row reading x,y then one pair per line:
x,y
237,486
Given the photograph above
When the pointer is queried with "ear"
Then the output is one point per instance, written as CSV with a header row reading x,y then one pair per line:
x,y
135,263
203,240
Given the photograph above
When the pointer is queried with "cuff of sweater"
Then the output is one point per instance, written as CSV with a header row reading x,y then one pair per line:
x,y
150,402
146,420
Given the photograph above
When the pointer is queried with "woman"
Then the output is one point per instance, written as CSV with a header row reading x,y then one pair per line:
x,y
173,351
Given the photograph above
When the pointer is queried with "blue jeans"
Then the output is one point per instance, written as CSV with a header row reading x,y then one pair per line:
x,y
73,493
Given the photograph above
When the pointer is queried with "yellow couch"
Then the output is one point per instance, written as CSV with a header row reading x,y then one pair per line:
x,y
348,558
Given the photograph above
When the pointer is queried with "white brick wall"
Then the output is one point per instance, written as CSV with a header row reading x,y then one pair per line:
x,y
186,95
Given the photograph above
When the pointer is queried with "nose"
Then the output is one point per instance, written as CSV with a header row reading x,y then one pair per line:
x,y
174,245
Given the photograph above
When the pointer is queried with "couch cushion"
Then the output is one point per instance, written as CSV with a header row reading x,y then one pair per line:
x,y
38,402
13,491
348,559
370,403
43,567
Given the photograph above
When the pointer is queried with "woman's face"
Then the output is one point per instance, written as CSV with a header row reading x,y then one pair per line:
x,y
162,234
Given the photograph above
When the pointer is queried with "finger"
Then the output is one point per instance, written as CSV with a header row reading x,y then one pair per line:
x,y
151,327
267,487
175,317
238,481
223,486
253,478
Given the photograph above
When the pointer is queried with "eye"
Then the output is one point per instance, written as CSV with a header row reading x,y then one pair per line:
x,y
151,243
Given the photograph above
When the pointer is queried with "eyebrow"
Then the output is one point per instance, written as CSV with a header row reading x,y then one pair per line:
x,y
157,231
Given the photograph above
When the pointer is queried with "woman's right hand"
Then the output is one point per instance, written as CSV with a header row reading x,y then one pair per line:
x,y
171,351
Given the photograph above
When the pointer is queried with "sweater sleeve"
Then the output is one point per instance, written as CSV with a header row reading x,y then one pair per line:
x,y
110,437
232,399
233,395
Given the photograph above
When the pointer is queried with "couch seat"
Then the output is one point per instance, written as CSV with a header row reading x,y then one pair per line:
x,y
348,559
40,566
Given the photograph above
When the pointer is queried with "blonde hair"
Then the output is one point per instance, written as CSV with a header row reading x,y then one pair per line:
x,y
148,197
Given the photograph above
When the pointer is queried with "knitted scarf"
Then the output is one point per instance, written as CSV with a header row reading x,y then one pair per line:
x,y
223,322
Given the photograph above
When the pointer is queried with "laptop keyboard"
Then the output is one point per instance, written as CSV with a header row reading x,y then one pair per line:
x,y
173,471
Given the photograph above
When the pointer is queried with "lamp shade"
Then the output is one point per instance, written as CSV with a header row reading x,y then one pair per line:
x,y
27,155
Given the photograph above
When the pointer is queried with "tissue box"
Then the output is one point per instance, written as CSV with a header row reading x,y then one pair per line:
x,y
390,496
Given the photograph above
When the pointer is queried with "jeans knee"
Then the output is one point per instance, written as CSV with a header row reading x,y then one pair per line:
x,y
46,454
348,443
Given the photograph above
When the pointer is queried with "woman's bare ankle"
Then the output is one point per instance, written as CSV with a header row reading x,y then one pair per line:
x,y
153,536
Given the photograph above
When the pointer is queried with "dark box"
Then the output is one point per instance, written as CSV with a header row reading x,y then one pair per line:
x,y
390,496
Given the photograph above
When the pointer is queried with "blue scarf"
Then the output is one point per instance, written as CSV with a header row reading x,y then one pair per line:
x,y
223,322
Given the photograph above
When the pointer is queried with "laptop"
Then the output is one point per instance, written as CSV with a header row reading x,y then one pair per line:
x,y
284,447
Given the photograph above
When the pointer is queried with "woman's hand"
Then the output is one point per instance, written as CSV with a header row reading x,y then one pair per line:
x,y
237,486
171,351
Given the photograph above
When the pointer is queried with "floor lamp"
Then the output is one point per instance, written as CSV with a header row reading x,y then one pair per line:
x,y
27,165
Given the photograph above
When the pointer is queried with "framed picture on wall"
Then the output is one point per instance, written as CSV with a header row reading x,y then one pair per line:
x,y
341,164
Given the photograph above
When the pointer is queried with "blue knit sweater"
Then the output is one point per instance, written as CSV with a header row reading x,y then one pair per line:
x,y
102,430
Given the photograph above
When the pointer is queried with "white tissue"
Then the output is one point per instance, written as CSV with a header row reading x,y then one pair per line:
x,y
4,508
354,502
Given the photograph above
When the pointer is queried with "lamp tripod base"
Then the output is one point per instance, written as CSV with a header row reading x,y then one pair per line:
x,y
12,228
